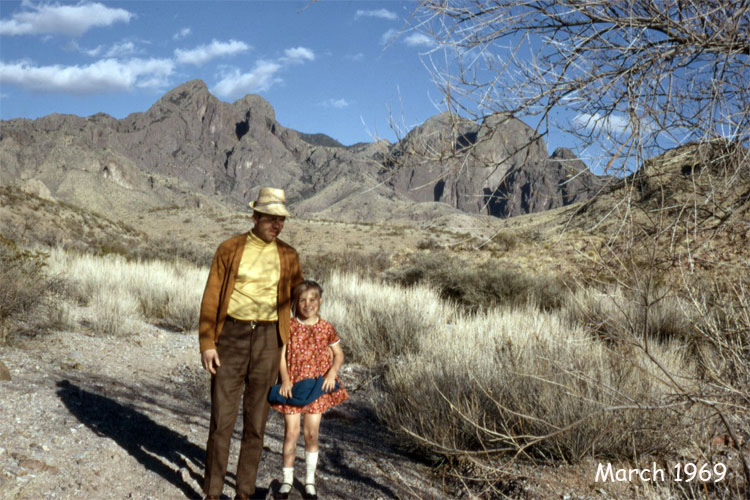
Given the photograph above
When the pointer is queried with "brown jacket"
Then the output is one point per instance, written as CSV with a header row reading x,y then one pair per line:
x,y
220,286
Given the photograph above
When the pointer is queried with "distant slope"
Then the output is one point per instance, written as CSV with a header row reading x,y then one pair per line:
x,y
320,140
190,147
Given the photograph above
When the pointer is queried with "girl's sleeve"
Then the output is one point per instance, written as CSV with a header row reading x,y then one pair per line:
x,y
333,337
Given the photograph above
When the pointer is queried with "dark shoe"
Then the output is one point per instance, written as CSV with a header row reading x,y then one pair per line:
x,y
310,492
285,495
242,496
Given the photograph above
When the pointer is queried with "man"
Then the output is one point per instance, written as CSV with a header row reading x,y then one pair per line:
x,y
244,321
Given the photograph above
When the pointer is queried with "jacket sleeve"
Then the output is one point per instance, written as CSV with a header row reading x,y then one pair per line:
x,y
209,313
296,271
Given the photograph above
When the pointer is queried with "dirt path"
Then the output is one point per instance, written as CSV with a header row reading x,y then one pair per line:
x,y
101,417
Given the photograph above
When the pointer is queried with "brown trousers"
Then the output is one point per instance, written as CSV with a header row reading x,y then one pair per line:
x,y
249,358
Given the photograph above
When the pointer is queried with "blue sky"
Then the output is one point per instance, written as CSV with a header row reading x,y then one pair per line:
x,y
342,68
325,66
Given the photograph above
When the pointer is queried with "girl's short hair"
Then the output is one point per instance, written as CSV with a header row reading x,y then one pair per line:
x,y
306,285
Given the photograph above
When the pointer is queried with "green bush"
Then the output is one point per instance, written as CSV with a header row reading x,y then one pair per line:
x,y
24,289
478,287
320,267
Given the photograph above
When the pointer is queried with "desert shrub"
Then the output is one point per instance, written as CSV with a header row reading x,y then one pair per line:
x,y
507,380
321,266
615,313
169,249
524,381
483,286
20,270
26,292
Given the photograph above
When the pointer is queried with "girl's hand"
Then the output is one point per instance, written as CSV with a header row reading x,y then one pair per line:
x,y
329,381
286,389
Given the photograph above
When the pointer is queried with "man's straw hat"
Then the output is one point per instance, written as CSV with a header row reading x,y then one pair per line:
x,y
271,201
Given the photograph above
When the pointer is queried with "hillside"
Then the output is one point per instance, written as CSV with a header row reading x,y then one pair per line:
x,y
190,147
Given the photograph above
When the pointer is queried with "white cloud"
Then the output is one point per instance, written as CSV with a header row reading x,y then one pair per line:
x,y
121,50
71,20
299,54
103,76
205,53
612,124
380,13
117,50
183,33
388,37
261,78
94,52
336,103
359,56
419,39
412,40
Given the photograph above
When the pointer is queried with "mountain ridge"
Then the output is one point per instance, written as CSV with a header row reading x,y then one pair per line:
x,y
193,146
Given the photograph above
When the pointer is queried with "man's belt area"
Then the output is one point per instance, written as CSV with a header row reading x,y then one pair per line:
x,y
252,323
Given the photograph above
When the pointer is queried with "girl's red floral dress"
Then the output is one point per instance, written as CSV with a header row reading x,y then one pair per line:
x,y
307,357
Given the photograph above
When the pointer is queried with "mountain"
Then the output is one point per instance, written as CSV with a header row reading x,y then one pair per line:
x,y
499,167
191,149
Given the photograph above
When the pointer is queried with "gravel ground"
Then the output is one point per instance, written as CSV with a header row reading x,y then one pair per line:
x,y
86,416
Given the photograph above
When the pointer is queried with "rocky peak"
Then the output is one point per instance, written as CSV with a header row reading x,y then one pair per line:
x,y
255,105
232,149
500,167
563,154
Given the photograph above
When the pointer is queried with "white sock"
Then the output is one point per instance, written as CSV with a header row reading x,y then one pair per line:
x,y
288,479
311,463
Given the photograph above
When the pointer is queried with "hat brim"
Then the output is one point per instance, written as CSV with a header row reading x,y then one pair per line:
x,y
276,208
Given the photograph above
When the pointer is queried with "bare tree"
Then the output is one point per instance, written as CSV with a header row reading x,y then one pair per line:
x,y
637,76
634,80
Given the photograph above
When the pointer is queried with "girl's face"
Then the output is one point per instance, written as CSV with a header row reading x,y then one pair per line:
x,y
308,304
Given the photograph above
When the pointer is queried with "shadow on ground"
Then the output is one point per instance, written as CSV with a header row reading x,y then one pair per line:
x,y
152,444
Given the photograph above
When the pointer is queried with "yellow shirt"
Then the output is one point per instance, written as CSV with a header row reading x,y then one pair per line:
x,y
256,287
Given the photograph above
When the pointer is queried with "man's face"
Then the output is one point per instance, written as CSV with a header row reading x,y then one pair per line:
x,y
267,227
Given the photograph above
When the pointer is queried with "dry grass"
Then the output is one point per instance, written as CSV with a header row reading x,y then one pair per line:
x,y
380,322
502,382
122,292
509,380
612,313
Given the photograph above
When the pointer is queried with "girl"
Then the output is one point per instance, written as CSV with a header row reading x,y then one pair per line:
x,y
307,356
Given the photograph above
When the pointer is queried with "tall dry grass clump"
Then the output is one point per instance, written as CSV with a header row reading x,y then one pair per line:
x,y
381,321
507,381
123,292
522,381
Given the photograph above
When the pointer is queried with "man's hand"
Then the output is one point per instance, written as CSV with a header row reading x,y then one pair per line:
x,y
210,360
